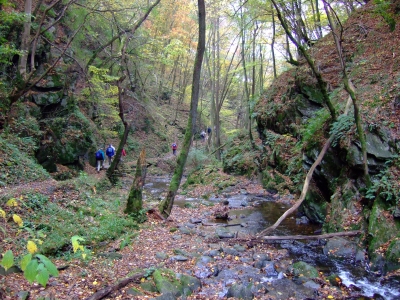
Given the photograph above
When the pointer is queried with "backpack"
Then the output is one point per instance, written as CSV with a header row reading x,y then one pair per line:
x,y
110,151
98,155
173,146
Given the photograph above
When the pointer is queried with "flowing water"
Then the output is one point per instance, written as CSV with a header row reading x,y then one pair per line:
x,y
257,213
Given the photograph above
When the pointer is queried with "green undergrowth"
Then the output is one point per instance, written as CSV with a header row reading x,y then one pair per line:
x,y
80,207
17,167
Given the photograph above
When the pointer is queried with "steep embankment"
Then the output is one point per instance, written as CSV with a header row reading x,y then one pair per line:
x,y
294,125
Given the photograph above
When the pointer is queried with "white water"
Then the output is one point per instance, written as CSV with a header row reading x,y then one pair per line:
x,y
368,287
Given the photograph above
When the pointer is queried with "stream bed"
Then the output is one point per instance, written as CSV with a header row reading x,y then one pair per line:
x,y
250,214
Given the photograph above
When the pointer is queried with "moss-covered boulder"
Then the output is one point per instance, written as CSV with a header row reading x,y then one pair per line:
x,y
167,282
314,205
240,157
66,139
302,269
382,228
393,254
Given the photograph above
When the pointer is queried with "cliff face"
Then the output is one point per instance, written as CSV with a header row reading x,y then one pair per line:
x,y
293,125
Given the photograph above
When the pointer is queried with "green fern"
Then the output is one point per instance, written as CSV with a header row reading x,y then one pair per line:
x,y
341,128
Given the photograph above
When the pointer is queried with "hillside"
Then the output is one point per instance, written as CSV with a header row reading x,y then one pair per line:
x,y
294,126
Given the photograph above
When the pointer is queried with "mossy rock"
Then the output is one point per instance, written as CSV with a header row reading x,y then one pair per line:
x,y
167,283
301,268
393,255
381,230
67,139
314,205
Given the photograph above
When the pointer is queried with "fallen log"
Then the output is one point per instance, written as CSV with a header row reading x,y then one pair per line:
x,y
110,289
311,237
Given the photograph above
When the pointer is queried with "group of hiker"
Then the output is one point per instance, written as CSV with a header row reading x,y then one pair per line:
x,y
203,135
110,153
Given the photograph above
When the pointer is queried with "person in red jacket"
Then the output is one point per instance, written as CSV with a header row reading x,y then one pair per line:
x,y
174,147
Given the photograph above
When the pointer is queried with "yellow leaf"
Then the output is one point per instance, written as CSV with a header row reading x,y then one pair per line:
x,y
12,202
32,248
330,297
2,213
236,257
95,282
142,280
83,255
17,219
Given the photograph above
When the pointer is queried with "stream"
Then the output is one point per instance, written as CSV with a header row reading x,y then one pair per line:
x,y
257,212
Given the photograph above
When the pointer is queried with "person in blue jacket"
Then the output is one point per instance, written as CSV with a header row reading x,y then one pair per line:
x,y
110,152
99,159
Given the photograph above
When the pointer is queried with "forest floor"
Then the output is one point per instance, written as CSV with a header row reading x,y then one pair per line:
x,y
80,279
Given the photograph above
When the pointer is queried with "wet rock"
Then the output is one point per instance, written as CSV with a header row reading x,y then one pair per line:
x,y
224,233
161,255
287,289
269,269
185,230
239,248
212,253
302,220
340,248
203,260
230,251
203,271
23,295
195,221
179,258
240,291
312,285
260,256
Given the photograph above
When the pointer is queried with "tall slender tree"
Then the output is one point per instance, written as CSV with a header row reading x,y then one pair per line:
x,y
166,205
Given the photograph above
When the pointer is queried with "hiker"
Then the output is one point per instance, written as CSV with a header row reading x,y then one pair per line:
x,y
110,152
123,153
209,130
99,159
174,147
203,136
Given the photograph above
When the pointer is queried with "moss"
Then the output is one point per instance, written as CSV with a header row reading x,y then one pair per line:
x,y
380,229
166,282
301,268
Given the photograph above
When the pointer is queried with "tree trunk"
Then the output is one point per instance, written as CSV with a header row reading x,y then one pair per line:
x,y
166,205
26,35
246,88
273,41
349,87
135,201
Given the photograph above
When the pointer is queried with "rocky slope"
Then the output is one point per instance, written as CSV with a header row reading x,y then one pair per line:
x,y
294,125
